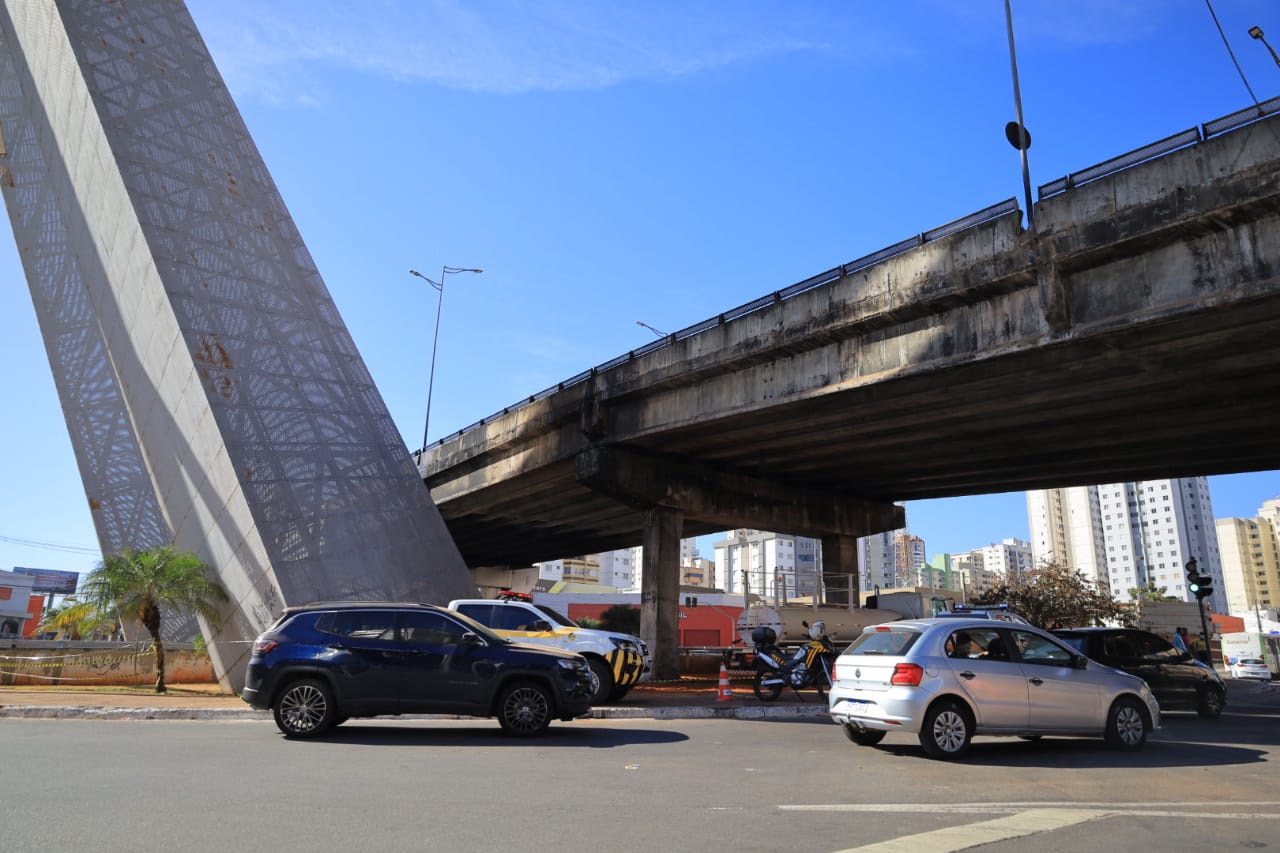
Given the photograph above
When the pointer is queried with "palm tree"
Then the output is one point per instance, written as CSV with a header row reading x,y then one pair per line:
x,y
144,582
76,619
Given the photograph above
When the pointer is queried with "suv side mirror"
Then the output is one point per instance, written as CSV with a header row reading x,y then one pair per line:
x,y
471,638
540,625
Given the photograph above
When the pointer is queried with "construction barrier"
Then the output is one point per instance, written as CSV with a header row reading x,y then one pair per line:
x,y
129,664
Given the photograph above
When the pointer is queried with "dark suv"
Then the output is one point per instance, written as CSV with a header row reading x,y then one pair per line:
x,y
1179,683
321,664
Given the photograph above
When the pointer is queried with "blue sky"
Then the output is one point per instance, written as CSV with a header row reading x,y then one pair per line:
x,y
608,163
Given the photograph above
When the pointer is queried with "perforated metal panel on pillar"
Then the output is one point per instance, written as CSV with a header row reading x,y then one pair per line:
x,y
214,396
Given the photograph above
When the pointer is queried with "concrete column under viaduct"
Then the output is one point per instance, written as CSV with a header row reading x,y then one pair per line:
x,y
660,589
670,491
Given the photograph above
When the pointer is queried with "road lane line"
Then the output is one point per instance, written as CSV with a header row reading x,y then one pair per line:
x,y
1007,807
956,838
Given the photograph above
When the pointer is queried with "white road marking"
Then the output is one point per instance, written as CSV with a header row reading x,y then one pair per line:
x,y
1021,819
1173,807
956,838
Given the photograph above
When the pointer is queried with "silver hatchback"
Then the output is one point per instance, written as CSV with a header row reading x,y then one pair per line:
x,y
947,680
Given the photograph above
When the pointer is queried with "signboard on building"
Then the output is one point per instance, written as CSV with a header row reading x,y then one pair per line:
x,y
51,580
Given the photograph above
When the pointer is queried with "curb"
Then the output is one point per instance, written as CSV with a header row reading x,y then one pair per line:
x,y
752,712
76,712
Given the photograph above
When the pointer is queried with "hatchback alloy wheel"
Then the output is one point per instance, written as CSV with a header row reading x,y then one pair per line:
x,y
1126,726
947,732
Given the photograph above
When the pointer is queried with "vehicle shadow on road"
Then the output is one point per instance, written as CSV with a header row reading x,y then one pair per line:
x,y
1065,753
437,735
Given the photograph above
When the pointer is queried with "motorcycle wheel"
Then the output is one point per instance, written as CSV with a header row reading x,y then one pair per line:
x,y
765,692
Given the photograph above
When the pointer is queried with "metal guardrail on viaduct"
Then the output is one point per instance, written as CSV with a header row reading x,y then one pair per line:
x,y
1132,335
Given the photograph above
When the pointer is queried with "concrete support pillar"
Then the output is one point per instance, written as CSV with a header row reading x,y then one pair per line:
x,y
660,590
840,573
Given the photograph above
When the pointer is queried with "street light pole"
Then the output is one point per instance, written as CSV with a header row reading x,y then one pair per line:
x,y
1018,135
435,339
1256,32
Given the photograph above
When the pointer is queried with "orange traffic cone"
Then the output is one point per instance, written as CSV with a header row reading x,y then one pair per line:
x,y
726,693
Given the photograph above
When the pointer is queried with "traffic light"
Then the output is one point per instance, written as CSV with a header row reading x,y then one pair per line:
x,y
1203,587
1193,576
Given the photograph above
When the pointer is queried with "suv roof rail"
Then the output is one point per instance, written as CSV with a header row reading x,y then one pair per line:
x,y
356,603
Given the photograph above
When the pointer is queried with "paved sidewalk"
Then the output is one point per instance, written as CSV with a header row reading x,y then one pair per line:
x,y
687,698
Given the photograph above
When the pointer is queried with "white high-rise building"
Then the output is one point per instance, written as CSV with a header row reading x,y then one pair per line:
x,y
1066,529
1007,558
773,565
991,565
618,568
780,566
1148,530
876,560
621,569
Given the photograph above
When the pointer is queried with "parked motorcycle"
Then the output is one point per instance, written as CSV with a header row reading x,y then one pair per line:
x,y
810,666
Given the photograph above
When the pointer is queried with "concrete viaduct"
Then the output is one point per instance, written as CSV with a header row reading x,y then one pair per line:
x,y
1133,333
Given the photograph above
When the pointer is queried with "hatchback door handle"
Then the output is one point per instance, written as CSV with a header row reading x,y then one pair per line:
x,y
967,674
1037,681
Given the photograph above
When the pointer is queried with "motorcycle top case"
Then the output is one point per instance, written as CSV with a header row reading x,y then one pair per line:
x,y
763,635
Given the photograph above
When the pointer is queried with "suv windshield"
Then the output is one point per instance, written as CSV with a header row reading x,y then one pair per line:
x,y
483,631
555,618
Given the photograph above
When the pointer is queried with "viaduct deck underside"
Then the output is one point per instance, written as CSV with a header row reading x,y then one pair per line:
x,y
1185,396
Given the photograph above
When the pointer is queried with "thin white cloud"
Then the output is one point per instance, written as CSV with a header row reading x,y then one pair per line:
x,y
278,51
501,46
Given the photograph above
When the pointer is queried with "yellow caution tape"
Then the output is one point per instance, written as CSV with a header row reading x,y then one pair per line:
x,y
69,660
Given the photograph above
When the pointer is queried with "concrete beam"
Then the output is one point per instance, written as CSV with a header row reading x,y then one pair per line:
x,y
730,500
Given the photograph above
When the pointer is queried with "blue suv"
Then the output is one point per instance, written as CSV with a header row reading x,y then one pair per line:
x,y
322,664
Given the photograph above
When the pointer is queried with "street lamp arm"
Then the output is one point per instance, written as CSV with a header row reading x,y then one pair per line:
x,y
651,328
438,285
435,340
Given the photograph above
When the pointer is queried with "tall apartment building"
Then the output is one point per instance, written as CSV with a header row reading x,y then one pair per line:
x,y
776,566
908,558
1250,550
571,570
698,571
621,569
618,569
940,573
781,566
991,565
1066,529
1143,533
876,556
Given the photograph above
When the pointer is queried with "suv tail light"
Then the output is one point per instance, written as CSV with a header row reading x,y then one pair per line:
x,y
262,647
907,674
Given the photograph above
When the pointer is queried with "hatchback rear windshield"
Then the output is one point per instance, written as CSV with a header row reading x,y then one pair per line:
x,y
893,642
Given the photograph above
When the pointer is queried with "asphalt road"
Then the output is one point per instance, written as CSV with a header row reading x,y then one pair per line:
x,y
669,785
